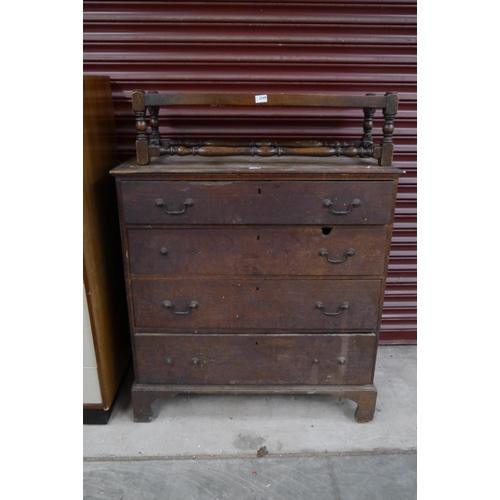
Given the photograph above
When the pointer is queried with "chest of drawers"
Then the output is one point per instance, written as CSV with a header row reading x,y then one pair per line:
x,y
254,275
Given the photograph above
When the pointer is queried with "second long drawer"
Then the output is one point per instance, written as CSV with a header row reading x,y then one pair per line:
x,y
258,250
235,305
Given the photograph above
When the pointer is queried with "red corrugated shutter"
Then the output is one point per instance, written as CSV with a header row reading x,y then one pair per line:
x,y
262,46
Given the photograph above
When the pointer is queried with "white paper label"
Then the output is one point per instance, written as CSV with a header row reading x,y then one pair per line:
x,y
261,98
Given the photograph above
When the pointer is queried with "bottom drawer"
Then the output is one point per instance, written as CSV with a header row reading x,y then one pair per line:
x,y
255,359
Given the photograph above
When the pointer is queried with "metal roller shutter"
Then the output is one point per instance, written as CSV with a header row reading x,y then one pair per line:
x,y
263,46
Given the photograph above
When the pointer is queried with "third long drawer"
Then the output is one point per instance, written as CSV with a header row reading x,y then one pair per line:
x,y
246,305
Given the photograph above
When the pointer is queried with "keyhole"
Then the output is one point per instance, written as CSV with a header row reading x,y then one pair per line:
x,y
259,191
326,230
256,343
256,287
258,237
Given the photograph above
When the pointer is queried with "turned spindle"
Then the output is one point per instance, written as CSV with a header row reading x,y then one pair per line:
x,y
200,150
389,113
368,124
154,137
141,141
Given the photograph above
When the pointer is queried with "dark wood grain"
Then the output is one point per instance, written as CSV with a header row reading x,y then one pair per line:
x,y
257,251
245,305
102,267
255,359
273,99
254,168
362,150
266,202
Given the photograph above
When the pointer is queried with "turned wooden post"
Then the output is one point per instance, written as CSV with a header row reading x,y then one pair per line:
x,y
154,137
141,142
389,114
368,124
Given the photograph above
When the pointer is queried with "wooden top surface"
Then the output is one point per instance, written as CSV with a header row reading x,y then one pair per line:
x,y
246,165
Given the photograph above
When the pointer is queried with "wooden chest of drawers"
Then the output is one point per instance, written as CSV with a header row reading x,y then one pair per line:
x,y
255,275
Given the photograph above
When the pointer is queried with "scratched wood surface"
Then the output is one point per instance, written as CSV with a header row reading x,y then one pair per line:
x,y
236,164
257,251
255,359
266,202
252,304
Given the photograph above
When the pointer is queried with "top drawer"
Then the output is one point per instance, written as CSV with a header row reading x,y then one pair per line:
x,y
254,202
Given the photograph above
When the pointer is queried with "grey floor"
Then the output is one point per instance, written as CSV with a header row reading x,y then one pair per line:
x,y
205,447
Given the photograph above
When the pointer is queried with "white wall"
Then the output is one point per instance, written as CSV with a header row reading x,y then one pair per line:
x,y
91,390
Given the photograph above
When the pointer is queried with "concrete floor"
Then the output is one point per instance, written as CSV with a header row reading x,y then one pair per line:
x,y
206,446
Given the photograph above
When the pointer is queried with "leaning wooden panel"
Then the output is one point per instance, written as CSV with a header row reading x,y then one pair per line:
x,y
102,268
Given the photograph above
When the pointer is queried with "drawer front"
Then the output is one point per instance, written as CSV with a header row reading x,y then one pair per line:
x,y
257,250
252,202
245,305
255,359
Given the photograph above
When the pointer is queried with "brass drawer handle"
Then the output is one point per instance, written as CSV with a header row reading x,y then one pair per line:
x,y
188,203
343,307
168,305
349,253
354,203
